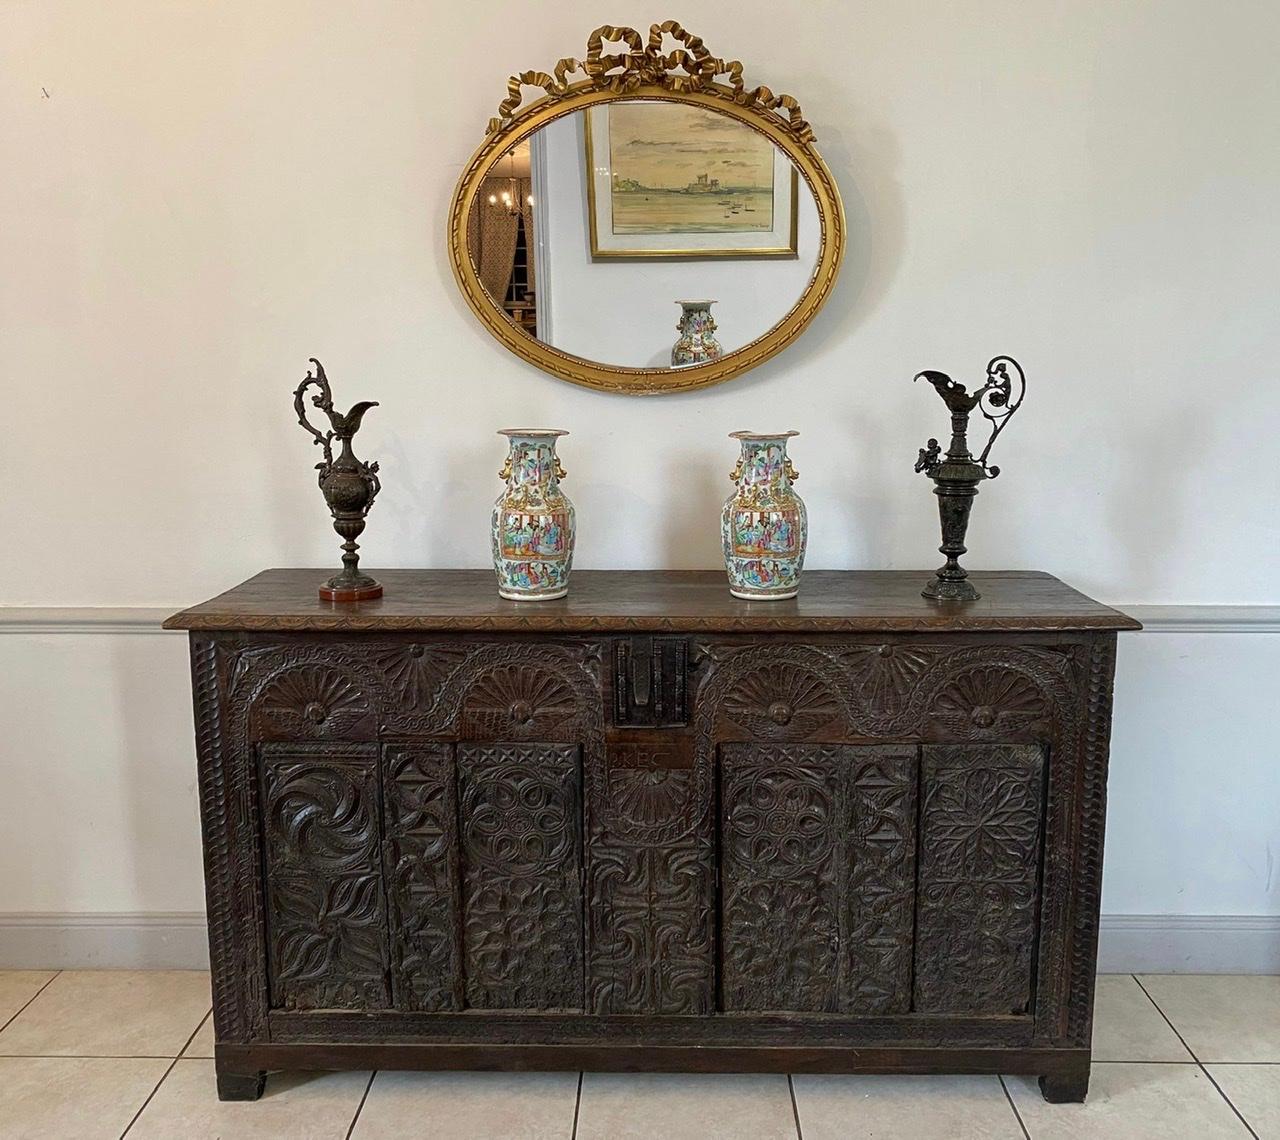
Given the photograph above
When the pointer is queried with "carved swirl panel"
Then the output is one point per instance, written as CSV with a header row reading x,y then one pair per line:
x,y
327,940
650,929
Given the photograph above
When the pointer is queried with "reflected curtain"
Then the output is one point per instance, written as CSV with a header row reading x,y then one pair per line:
x,y
526,186
491,238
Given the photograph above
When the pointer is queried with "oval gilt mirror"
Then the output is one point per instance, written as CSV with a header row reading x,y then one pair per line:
x,y
653,227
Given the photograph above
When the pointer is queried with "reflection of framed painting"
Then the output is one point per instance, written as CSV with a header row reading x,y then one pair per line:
x,y
677,180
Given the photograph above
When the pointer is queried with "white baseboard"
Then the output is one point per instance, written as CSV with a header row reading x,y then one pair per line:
x,y
1128,943
176,940
1189,944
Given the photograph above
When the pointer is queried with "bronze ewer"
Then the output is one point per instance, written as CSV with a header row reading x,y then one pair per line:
x,y
958,473
347,483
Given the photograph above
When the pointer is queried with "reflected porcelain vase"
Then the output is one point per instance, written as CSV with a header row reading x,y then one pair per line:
x,y
533,520
764,526
697,329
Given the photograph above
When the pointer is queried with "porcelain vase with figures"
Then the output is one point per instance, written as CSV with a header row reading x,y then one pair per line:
x,y
764,526
533,519
697,329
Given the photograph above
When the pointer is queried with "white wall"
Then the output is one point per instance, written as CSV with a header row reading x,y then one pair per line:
x,y
199,197
624,312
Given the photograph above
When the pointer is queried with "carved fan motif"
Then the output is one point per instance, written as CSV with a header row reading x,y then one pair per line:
x,y
648,796
887,675
516,702
415,672
983,696
311,701
786,700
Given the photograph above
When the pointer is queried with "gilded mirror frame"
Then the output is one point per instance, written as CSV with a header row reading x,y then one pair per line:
x,y
640,69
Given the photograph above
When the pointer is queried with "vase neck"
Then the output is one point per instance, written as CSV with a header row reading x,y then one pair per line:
x,y
531,461
764,463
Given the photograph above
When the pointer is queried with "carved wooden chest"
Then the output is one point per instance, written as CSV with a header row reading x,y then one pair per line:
x,y
651,827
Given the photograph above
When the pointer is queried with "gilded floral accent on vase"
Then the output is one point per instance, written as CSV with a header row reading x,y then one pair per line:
x,y
533,519
697,329
764,526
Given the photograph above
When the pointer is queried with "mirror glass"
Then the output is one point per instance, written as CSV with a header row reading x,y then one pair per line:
x,y
611,233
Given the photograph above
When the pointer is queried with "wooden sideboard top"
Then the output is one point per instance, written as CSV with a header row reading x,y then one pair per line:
x,y
830,601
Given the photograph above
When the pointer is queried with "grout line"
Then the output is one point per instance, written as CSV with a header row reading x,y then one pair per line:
x,y
1230,1103
360,1106
577,1104
186,1045
1208,1075
101,1057
30,1000
1166,1019
207,1017
795,1108
1017,1115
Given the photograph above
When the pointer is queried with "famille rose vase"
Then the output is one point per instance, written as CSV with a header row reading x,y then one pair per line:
x,y
533,520
697,329
764,526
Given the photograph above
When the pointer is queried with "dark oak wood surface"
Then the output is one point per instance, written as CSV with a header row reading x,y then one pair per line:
x,y
831,601
652,827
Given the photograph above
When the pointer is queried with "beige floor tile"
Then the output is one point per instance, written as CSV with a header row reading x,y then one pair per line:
x,y
295,1106
111,1013
1131,1102
469,1106
1128,1027
73,1098
17,987
904,1108
1255,1091
202,1043
1221,1017
702,1106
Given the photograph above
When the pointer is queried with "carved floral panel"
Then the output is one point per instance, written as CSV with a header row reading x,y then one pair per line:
x,y
979,878
521,838
818,853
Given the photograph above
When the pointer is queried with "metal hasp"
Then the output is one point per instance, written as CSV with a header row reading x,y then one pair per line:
x,y
958,473
347,483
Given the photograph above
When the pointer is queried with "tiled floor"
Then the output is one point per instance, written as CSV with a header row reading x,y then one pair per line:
x,y
102,1054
